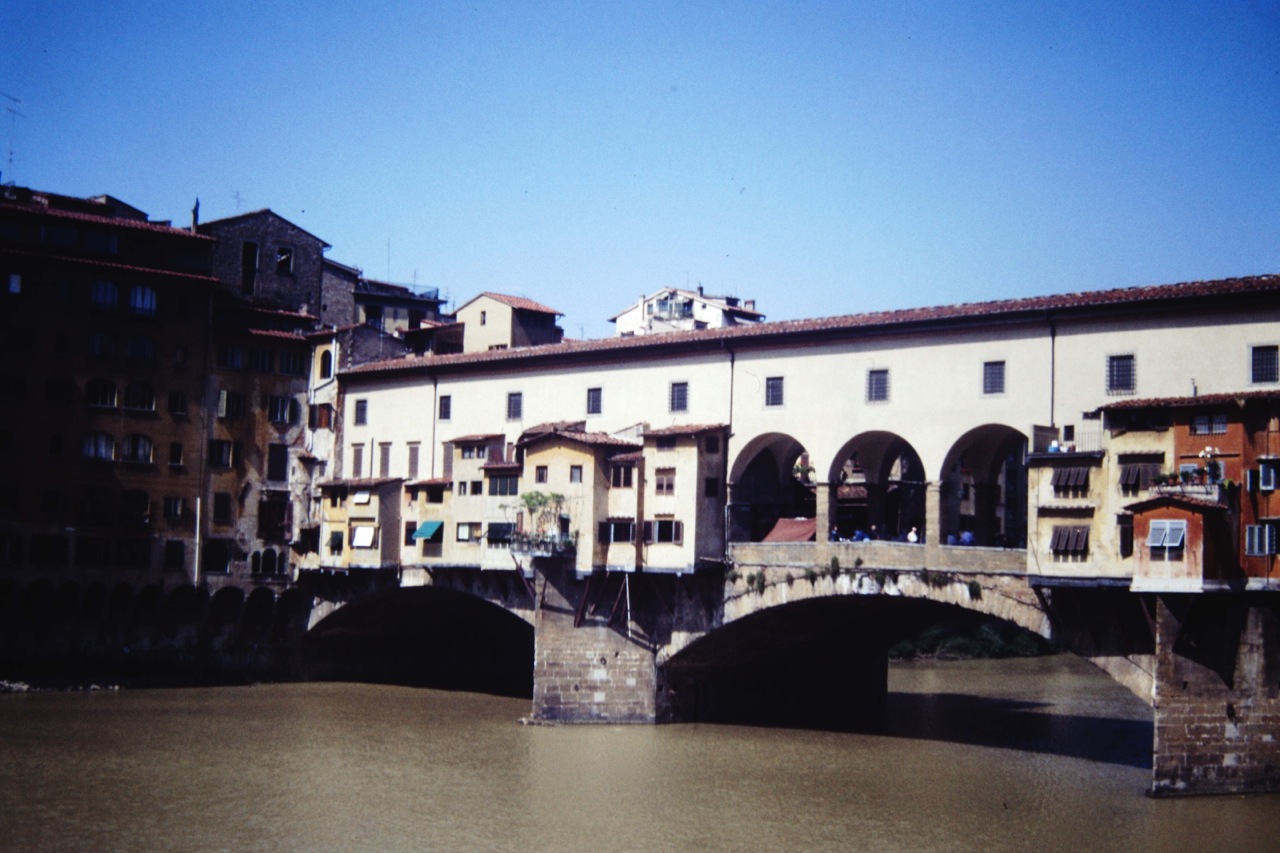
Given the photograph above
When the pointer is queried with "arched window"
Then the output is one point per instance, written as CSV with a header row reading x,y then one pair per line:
x,y
101,393
136,448
141,348
99,445
255,563
326,364
269,562
103,294
140,397
142,302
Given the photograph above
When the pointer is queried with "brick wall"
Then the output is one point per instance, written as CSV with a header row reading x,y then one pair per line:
x,y
1217,722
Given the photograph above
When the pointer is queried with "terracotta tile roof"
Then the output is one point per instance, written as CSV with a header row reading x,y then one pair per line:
x,y
592,439
687,429
476,439
432,481
554,426
325,334
106,221
266,211
272,333
501,465
627,457
520,303
107,265
1178,500
362,483
847,324
1190,402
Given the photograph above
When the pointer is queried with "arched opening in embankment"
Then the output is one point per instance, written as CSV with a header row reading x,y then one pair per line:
x,y
425,637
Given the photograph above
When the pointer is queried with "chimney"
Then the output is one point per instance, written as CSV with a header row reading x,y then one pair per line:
x,y
195,216
750,305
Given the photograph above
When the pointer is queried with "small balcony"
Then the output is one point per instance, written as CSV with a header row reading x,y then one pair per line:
x,y
544,544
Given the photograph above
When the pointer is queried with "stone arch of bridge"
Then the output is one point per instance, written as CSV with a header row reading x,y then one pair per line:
x,y
425,635
768,480
877,483
983,488
814,660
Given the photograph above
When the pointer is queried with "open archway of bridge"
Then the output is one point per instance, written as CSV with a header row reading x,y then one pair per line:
x,y
983,494
877,487
819,663
425,637
770,480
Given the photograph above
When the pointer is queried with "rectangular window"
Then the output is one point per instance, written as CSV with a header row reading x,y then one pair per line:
x,y
1259,540
281,410
230,357
1070,542
177,402
993,377
384,459
711,487
679,397
1209,425
357,461
175,454
173,508
666,442
664,530
1122,375
293,364
469,531
504,484
1070,481
362,412
515,406
461,489
219,453
540,474
446,407
711,445
230,405
413,460
664,480
175,555
595,401
320,416
878,386
284,266
278,462
364,536
248,267
261,360
222,507
1265,364
617,530
1166,539
575,473
15,282
773,391
620,476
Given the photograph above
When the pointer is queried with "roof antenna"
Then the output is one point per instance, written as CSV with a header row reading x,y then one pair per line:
x,y
14,115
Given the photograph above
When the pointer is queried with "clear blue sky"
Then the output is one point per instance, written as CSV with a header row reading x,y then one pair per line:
x,y
822,158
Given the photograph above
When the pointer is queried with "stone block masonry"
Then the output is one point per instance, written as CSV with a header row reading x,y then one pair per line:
x,y
587,670
1217,697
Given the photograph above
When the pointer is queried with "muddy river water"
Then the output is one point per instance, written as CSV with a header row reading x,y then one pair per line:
x,y
1030,754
